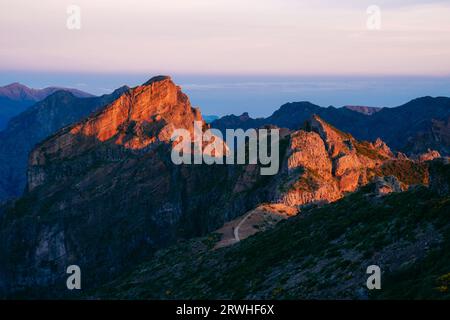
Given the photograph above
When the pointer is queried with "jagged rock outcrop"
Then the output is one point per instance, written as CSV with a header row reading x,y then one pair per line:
x,y
387,185
429,155
139,120
310,168
328,163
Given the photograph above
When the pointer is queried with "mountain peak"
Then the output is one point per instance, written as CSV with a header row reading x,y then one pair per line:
x,y
339,143
143,115
298,105
60,94
139,118
325,129
119,91
17,91
428,102
15,85
363,109
159,78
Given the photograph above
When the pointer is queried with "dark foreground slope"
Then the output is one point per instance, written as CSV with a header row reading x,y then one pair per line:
x,y
321,254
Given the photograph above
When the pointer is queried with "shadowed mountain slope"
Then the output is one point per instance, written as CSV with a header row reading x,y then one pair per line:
x,y
16,98
321,254
35,124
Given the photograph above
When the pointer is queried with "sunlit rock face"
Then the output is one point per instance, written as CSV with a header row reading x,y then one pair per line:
x,y
429,155
325,163
141,118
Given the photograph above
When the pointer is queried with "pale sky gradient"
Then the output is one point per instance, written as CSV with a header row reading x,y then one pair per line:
x,y
281,37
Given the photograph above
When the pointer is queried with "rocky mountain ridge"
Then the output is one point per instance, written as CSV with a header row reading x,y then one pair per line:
x,y
104,194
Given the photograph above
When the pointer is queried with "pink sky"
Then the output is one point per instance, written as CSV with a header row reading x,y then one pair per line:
x,y
227,36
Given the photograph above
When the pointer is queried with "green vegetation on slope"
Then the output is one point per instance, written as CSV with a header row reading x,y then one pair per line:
x,y
321,254
406,171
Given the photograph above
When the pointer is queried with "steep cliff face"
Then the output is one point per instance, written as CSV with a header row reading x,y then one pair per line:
x,y
325,163
140,118
429,156
244,121
19,92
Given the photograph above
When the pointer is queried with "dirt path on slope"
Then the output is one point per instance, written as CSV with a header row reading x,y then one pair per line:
x,y
257,220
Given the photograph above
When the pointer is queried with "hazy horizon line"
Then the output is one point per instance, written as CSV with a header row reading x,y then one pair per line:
x,y
259,95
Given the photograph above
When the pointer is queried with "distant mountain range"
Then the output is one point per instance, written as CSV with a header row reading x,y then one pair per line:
x,y
16,97
413,128
364,110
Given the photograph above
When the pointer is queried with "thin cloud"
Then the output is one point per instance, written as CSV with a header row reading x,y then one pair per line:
x,y
288,37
